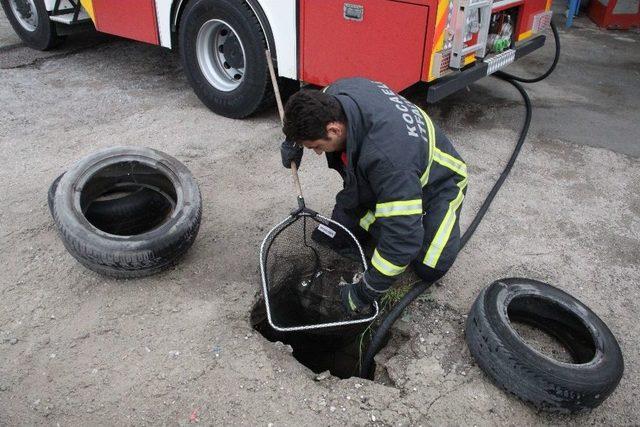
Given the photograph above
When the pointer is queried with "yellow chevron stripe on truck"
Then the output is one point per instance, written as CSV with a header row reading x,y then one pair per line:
x,y
525,35
88,6
441,30
443,7
441,16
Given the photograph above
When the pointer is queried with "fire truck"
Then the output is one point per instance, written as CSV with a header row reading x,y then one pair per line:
x,y
222,43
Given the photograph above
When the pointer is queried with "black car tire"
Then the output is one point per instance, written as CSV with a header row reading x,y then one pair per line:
x,y
52,192
130,211
44,37
133,213
254,92
532,376
127,256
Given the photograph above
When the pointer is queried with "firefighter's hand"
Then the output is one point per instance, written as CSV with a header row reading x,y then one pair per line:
x,y
290,152
356,300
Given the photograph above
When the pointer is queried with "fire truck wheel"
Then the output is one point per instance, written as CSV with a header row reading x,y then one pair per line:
x,y
158,246
222,48
30,20
549,384
124,211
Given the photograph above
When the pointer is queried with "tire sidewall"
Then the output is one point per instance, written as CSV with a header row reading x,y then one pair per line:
x,y
51,194
75,227
135,209
536,376
142,204
44,35
499,296
246,98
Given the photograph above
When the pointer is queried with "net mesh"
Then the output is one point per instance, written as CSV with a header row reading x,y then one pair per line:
x,y
303,270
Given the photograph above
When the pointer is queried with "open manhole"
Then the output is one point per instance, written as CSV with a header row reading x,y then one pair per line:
x,y
298,300
337,350
303,268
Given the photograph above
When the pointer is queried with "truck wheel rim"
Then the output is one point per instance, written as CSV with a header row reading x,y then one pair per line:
x,y
220,55
26,13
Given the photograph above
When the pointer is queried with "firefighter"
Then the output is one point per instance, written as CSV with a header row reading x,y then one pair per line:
x,y
403,181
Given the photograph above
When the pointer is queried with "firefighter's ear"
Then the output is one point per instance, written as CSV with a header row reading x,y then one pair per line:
x,y
335,128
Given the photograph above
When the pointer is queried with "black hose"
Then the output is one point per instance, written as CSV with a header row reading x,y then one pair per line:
x,y
378,339
505,172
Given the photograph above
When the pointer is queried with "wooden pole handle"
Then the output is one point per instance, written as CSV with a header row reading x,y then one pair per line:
x,y
276,92
296,179
274,83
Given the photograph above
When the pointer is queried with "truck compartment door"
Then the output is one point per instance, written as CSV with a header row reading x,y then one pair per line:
x,y
132,19
382,40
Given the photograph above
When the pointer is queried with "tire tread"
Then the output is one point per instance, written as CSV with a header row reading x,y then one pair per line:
x,y
531,384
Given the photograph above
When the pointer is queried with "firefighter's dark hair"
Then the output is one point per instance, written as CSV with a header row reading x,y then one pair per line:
x,y
307,114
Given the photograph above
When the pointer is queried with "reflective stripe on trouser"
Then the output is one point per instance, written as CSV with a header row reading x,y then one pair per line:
x,y
431,222
443,233
450,218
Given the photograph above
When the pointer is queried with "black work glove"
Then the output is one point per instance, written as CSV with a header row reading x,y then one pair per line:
x,y
357,298
290,152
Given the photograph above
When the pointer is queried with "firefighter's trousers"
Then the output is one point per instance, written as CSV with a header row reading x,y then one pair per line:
x,y
432,220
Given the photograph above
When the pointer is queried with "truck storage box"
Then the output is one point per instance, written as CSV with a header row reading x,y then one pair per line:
x,y
379,39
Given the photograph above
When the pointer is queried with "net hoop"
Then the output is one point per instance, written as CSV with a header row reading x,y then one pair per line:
x,y
269,237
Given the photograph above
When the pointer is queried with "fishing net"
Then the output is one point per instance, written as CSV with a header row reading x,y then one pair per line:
x,y
302,273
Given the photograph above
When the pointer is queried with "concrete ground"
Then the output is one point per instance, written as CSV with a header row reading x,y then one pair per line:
x,y
80,349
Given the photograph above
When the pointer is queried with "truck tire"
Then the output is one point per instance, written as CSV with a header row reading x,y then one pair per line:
x,y
129,211
129,256
30,20
222,50
532,376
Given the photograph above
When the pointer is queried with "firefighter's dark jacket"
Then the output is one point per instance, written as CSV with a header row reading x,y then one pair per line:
x,y
390,178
